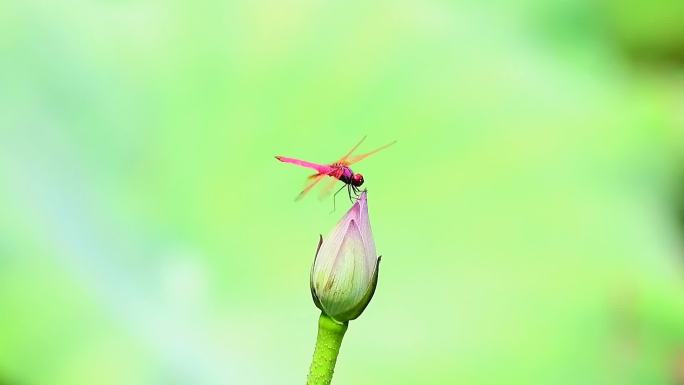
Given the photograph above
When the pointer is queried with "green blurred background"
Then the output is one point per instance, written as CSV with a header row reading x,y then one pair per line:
x,y
527,217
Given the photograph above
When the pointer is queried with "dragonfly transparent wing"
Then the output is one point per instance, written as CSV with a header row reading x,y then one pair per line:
x,y
329,185
358,158
348,154
314,181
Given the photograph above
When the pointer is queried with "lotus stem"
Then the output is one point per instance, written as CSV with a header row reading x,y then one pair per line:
x,y
328,341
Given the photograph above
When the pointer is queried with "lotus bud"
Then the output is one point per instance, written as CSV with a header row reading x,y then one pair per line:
x,y
345,271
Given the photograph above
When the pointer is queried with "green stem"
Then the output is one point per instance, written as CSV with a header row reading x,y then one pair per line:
x,y
328,343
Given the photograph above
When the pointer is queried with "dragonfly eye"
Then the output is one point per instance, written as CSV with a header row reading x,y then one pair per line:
x,y
357,180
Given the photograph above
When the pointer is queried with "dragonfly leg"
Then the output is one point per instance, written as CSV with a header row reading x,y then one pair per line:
x,y
335,197
356,192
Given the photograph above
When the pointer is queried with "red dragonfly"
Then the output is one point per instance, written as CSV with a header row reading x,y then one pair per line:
x,y
337,171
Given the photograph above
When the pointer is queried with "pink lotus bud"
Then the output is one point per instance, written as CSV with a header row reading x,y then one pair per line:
x,y
345,271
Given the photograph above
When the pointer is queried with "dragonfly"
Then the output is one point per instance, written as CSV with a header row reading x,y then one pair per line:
x,y
337,171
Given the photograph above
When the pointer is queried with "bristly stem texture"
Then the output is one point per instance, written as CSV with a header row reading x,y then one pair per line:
x,y
330,334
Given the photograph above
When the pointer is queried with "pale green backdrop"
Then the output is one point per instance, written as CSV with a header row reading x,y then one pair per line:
x,y
525,216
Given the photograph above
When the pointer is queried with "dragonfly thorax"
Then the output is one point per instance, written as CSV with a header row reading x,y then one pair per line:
x,y
346,175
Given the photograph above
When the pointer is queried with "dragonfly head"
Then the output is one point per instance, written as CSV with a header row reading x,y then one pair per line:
x,y
357,180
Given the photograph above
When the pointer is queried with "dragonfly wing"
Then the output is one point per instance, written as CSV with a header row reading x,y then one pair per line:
x,y
322,169
358,158
328,187
344,158
312,183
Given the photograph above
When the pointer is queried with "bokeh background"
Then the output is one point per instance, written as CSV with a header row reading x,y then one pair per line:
x,y
528,216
